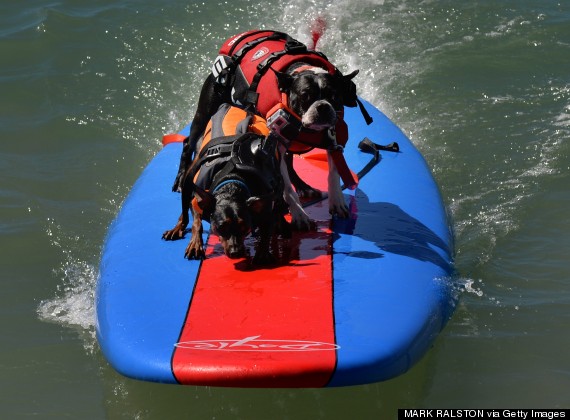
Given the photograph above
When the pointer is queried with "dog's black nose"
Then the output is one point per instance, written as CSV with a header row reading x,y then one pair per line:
x,y
236,252
323,106
325,111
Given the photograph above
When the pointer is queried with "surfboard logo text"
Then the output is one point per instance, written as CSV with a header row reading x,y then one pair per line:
x,y
256,343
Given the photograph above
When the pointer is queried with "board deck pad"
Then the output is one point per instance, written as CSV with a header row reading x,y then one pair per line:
x,y
358,300
274,326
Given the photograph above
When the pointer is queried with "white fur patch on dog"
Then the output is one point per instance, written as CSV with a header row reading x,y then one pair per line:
x,y
318,70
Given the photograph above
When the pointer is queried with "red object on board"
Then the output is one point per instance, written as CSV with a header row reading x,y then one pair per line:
x,y
172,138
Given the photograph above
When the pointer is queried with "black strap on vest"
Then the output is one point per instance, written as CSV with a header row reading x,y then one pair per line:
x,y
216,148
364,112
228,74
260,164
253,43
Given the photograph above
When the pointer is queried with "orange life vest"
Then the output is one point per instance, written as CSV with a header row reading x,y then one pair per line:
x,y
217,153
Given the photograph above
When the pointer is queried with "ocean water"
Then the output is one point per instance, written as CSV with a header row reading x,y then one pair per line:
x,y
481,87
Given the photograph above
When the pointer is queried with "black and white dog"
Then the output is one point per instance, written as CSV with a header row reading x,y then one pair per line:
x,y
314,95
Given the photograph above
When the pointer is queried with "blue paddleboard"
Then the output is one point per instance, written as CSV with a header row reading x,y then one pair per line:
x,y
356,301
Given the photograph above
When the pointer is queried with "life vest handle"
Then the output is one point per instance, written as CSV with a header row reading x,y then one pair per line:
x,y
173,138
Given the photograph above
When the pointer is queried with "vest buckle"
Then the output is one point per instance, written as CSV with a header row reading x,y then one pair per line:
x,y
295,47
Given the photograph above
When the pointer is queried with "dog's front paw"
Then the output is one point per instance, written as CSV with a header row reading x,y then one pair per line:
x,y
338,207
337,203
302,222
340,211
195,249
174,234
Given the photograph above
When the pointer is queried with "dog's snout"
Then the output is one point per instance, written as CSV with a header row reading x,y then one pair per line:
x,y
234,248
320,115
323,106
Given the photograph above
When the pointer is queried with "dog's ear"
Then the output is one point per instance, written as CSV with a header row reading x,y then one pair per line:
x,y
349,89
351,75
257,204
206,200
284,81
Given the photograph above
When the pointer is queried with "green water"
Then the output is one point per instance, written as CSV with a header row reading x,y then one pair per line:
x,y
481,87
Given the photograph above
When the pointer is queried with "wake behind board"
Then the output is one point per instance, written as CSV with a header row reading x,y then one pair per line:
x,y
359,300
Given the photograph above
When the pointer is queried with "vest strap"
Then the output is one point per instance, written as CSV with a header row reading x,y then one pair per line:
x,y
232,181
364,112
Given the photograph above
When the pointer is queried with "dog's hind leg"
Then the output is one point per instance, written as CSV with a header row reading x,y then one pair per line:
x,y
179,230
208,103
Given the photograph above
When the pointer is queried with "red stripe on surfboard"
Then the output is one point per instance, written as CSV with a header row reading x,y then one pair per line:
x,y
259,327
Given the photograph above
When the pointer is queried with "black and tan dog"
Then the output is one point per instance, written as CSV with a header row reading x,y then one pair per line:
x,y
235,184
300,94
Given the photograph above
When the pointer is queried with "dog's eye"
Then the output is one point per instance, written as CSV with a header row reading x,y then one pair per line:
x,y
244,229
221,229
332,96
304,99
227,229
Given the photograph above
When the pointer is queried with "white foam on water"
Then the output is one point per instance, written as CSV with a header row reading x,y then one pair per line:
x,y
349,42
470,286
73,303
74,300
517,183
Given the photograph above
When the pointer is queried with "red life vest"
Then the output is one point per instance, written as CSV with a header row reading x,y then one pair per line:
x,y
244,65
